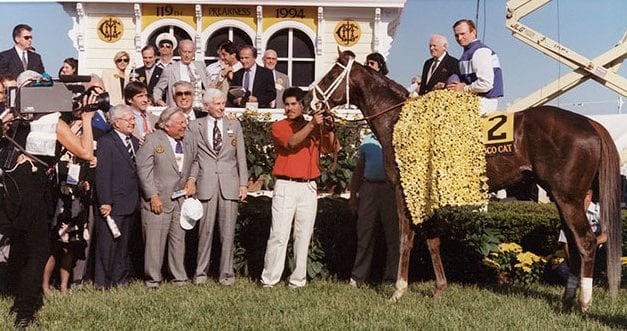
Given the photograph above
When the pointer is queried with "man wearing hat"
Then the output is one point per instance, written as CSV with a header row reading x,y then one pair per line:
x,y
163,168
166,44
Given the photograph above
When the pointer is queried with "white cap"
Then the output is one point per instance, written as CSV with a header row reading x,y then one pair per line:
x,y
191,212
168,37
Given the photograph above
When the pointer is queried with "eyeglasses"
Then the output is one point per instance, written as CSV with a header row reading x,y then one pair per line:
x,y
28,37
182,93
128,120
122,60
166,46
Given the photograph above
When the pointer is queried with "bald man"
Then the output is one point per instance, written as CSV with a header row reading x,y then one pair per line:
x,y
439,68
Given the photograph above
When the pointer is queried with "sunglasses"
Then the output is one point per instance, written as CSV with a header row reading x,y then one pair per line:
x,y
122,60
166,45
28,37
182,93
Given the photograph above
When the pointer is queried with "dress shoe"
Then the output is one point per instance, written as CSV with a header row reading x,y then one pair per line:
x,y
23,322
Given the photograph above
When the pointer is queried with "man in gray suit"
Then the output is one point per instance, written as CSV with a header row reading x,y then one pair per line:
x,y
281,81
187,69
163,165
221,178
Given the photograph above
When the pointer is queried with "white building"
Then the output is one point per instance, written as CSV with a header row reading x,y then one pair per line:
x,y
305,34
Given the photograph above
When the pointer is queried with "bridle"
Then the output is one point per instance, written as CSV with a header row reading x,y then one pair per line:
x,y
323,102
318,103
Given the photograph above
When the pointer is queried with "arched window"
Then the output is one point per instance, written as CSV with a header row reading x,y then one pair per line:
x,y
296,55
177,32
235,35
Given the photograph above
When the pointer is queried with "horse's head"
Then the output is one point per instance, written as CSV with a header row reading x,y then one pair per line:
x,y
349,82
330,90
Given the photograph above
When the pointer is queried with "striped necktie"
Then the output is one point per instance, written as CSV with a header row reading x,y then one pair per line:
x,y
217,138
129,147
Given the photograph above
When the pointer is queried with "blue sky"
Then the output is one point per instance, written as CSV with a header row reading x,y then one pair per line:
x,y
587,27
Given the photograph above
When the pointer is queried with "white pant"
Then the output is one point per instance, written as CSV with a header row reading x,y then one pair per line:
x,y
292,202
487,106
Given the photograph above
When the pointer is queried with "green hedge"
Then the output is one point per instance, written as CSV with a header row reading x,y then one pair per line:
x,y
464,234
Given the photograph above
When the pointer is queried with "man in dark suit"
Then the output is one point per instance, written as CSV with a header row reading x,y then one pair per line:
x,y
22,57
149,74
118,197
257,81
439,68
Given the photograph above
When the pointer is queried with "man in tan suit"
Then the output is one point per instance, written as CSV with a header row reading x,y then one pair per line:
x,y
221,176
163,166
187,69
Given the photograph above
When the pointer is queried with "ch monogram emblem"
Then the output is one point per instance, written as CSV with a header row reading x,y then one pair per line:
x,y
110,29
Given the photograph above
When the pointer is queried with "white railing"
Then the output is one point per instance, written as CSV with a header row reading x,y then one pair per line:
x,y
276,114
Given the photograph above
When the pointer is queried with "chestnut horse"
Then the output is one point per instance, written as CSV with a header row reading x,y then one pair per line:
x,y
566,152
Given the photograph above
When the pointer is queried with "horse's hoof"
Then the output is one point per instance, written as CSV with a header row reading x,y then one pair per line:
x,y
397,295
585,307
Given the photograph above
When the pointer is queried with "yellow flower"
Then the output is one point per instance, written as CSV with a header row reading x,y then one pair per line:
x,y
510,247
440,153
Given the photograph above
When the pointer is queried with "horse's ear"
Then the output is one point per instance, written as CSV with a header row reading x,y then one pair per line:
x,y
343,57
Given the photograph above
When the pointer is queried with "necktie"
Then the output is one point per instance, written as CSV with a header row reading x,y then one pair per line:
x,y
148,75
246,79
145,120
179,147
217,138
24,60
129,147
432,70
192,78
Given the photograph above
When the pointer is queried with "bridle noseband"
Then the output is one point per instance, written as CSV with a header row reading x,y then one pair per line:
x,y
318,103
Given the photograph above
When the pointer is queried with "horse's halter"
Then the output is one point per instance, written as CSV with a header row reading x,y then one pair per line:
x,y
317,103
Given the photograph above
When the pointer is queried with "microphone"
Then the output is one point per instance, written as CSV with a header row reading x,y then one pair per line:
x,y
74,78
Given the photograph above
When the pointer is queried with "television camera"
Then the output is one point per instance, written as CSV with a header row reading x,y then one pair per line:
x,y
45,95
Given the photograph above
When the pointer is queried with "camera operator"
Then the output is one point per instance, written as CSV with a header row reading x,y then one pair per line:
x,y
29,203
72,194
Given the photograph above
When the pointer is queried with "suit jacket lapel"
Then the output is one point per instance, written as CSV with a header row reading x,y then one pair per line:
x,y
165,142
121,146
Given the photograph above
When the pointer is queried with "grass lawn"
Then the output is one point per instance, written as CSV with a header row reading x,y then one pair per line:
x,y
322,305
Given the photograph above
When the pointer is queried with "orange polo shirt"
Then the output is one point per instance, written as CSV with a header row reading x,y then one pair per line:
x,y
299,162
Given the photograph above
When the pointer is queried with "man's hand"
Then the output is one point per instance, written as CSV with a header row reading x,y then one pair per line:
x,y
190,187
105,210
317,117
156,206
458,86
439,86
252,98
161,103
243,193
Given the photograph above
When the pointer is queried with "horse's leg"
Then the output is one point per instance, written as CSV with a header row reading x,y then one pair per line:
x,y
406,244
438,267
581,261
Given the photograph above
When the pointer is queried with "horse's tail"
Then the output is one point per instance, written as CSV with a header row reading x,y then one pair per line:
x,y
609,197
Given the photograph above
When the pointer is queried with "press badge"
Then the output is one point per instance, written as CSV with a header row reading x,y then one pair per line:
x,y
73,174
